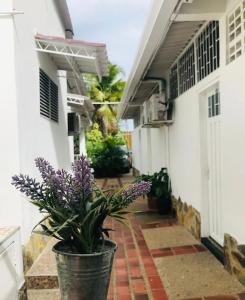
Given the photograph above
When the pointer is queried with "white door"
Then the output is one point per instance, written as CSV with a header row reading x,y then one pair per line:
x,y
214,165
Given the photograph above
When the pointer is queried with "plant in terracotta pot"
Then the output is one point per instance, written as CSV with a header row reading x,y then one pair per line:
x,y
75,210
151,197
159,196
161,187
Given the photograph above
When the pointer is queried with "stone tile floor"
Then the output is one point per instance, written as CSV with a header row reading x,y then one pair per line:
x,y
157,259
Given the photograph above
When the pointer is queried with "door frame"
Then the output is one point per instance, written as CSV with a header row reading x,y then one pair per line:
x,y
203,118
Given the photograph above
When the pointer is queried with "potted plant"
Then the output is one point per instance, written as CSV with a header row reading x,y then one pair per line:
x,y
159,196
162,189
151,197
75,210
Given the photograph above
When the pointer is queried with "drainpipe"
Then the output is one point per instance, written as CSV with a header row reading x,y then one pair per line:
x,y
11,13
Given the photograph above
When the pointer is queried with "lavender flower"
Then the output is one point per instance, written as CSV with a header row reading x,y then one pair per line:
x,y
28,186
45,169
83,175
132,192
75,208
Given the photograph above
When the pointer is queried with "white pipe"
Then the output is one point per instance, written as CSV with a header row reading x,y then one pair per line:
x,y
11,13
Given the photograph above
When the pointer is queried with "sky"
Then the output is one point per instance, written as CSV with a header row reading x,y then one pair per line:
x,y
118,23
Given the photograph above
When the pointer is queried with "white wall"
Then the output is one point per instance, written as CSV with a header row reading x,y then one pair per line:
x,y
186,160
149,149
10,211
28,135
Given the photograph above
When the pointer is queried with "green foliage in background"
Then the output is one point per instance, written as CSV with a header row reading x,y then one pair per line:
x,y
109,89
105,153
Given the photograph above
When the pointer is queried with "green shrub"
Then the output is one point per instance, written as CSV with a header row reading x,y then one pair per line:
x,y
105,153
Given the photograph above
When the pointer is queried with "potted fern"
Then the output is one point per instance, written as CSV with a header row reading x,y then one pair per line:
x,y
75,210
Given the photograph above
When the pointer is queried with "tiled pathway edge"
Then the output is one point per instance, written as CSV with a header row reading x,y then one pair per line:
x,y
135,275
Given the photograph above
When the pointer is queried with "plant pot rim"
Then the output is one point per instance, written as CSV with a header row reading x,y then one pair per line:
x,y
111,244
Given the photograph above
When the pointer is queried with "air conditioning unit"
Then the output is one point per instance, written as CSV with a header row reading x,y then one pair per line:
x,y
157,108
73,123
146,112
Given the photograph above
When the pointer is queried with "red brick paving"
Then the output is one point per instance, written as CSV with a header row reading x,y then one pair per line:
x,y
134,275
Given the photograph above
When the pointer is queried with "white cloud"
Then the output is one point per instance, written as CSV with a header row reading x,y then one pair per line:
x,y
119,23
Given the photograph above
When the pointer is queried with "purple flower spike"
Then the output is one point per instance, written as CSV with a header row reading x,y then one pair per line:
x,y
131,193
45,169
136,190
83,175
28,186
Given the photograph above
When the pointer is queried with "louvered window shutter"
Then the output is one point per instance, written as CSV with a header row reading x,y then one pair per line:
x,y
49,105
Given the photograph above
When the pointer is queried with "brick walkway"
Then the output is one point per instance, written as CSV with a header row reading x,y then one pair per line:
x,y
136,275
156,259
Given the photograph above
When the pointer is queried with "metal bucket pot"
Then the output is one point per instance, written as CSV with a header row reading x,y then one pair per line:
x,y
84,276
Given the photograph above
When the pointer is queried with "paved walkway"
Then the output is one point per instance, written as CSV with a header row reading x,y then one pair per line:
x,y
157,259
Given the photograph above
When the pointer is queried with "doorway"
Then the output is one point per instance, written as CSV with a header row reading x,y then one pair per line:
x,y
210,110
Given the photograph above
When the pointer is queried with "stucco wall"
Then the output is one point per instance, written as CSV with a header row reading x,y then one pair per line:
x,y
149,149
28,134
185,154
10,211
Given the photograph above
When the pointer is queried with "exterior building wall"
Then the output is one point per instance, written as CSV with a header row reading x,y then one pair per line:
x,y
10,212
149,149
187,161
25,134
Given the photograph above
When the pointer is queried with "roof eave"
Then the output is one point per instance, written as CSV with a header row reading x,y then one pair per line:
x,y
155,31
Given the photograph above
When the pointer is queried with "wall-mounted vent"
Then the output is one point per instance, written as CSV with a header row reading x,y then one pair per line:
x,y
49,105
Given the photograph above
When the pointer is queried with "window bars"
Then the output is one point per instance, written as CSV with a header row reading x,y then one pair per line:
x,y
190,68
187,70
207,49
174,82
48,97
236,32
214,105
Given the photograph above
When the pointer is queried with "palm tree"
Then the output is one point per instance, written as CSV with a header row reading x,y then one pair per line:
x,y
108,89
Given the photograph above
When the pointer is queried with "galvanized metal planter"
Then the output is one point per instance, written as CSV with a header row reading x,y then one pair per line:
x,y
84,276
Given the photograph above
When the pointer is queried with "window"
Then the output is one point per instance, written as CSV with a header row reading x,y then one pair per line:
x,y
174,82
236,32
48,97
207,48
187,70
200,59
214,105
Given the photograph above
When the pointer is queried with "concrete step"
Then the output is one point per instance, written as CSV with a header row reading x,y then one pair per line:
x,y
45,294
43,273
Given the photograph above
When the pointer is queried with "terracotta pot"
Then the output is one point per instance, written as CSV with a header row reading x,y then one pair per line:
x,y
152,202
164,205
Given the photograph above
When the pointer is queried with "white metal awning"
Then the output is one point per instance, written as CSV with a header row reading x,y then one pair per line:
x,y
79,103
74,55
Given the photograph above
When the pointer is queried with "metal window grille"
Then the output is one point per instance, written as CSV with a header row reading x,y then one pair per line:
x,y
236,32
214,105
187,70
48,97
174,82
208,50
